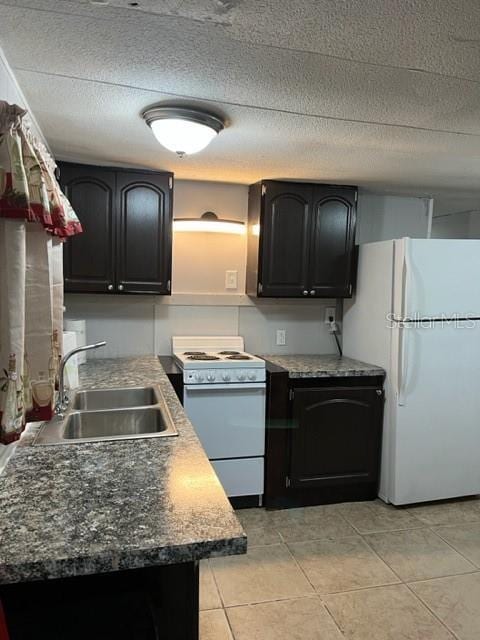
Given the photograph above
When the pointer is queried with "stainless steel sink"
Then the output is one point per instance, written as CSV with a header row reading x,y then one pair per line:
x,y
119,423
95,399
105,424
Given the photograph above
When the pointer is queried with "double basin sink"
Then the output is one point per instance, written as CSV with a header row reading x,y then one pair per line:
x,y
110,414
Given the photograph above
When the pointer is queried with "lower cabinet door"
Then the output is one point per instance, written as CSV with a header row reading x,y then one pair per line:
x,y
336,436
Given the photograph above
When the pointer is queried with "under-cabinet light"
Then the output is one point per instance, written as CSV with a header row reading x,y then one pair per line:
x,y
209,222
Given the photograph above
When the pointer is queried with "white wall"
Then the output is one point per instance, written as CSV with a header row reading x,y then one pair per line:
x,y
461,225
385,217
451,226
201,259
201,304
134,325
137,325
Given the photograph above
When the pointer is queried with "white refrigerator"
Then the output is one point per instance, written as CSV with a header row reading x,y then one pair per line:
x,y
416,313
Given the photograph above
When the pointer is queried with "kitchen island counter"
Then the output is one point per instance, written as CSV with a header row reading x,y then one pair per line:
x,y
80,509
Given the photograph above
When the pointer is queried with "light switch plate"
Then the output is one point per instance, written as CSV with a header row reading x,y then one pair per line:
x,y
281,337
231,279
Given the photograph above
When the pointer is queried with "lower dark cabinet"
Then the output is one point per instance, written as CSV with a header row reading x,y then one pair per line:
x,y
154,603
335,436
323,439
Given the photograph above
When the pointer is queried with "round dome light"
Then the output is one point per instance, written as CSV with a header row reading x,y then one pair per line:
x,y
181,130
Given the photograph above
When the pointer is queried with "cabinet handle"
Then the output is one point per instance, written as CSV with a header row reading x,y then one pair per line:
x,y
305,292
120,287
110,287
312,292
379,392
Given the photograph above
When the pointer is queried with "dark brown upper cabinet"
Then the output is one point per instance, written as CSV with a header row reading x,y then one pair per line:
x,y
301,240
126,246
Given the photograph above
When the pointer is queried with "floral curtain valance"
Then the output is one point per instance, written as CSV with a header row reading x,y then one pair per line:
x,y
35,219
28,187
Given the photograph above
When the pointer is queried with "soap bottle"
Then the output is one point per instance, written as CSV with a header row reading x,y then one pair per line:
x,y
43,396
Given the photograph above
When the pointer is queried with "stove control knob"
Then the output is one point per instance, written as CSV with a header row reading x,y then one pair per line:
x,y
226,377
211,377
198,377
252,376
241,377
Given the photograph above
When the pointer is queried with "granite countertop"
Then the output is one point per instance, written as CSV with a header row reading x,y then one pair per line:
x,y
324,366
78,509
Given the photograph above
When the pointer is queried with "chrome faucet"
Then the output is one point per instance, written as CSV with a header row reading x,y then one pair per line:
x,y
62,397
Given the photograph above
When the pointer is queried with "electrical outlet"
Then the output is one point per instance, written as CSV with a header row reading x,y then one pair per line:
x,y
231,279
329,313
281,337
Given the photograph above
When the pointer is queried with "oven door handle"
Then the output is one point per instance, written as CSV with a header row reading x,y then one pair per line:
x,y
225,387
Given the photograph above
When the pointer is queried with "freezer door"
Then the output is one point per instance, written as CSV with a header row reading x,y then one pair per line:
x,y
437,278
435,421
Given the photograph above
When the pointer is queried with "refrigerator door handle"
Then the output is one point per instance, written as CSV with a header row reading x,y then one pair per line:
x,y
405,277
403,365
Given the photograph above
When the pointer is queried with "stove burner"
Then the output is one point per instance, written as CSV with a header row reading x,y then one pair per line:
x,y
201,356
238,357
194,353
229,353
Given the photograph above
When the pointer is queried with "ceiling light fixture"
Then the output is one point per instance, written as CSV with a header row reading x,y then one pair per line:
x,y
210,222
182,130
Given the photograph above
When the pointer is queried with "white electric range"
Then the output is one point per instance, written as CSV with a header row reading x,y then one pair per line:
x,y
224,397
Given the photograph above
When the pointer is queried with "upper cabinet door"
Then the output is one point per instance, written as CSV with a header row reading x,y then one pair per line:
x,y
285,239
144,232
89,257
332,241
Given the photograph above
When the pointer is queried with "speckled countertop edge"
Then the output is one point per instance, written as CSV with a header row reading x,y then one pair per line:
x,y
91,508
323,366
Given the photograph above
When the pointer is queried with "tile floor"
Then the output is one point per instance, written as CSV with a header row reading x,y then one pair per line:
x,y
356,571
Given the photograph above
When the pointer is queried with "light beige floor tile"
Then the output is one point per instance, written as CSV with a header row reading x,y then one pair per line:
x,y
253,518
209,598
370,517
301,515
340,565
256,518
418,554
265,573
452,512
456,601
298,619
465,538
385,613
214,625
328,526
261,536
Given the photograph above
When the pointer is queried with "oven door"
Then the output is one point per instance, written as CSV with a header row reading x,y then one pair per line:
x,y
229,419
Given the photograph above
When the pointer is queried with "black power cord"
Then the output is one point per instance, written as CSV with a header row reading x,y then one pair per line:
x,y
333,329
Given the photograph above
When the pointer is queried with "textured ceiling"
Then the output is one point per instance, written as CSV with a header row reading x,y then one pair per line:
x,y
381,93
